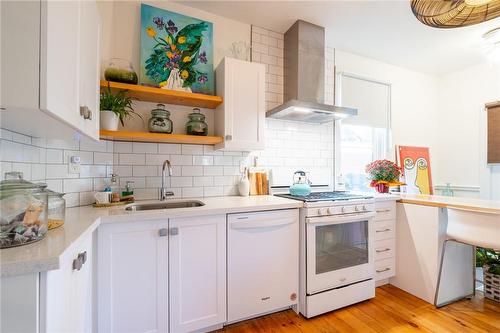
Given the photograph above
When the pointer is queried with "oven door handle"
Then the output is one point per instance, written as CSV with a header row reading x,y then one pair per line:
x,y
337,219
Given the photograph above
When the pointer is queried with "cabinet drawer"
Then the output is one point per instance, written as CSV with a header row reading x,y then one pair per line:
x,y
385,268
386,210
384,248
384,229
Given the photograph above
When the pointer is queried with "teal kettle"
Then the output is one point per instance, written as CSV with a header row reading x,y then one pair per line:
x,y
301,185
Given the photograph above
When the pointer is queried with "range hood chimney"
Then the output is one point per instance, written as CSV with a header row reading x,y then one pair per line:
x,y
304,95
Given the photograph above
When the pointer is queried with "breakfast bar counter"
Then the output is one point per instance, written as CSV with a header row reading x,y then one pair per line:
x,y
469,204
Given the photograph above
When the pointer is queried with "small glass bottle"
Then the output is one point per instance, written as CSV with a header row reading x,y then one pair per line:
x,y
196,124
120,70
57,209
160,120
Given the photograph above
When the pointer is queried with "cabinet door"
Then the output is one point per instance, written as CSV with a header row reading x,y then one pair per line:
x,y
66,293
242,86
89,67
197,255
133,277
60,59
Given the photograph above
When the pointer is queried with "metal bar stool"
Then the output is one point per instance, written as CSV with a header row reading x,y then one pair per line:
x,y
465,230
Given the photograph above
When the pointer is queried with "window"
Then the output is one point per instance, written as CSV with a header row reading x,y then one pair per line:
x,y
364,138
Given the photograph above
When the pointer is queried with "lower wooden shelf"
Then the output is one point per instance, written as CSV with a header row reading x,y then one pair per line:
x,y
158,137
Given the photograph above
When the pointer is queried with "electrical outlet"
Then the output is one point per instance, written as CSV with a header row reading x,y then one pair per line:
x,y
74,164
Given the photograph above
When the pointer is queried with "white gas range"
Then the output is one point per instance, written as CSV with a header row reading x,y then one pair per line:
x,y
336,250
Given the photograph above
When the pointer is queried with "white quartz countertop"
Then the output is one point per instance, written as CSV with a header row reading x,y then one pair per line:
x,y
81,221
469,204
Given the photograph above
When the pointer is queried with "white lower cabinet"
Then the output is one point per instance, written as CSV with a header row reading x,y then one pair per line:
x,y
385,241
197,255
162,275
57,301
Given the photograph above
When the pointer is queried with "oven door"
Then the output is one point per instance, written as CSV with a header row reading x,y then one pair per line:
x,y
339,250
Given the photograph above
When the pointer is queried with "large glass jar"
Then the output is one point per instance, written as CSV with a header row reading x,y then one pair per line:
x,y
120,70
160,120
57,209
196,124
23,211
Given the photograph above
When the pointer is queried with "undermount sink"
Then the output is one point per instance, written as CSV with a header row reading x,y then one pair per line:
x,y
165,205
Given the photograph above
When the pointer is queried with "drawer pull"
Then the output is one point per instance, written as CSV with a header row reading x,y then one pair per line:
x,y
383,270
385,230
79,261
384,250
163,232
383,211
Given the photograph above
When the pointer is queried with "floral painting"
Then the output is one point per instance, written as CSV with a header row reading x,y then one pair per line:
x,y
176,51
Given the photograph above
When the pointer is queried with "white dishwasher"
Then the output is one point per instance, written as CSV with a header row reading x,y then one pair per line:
x,y
262,262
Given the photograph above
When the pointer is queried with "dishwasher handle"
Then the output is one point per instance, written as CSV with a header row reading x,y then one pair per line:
x,y
260,223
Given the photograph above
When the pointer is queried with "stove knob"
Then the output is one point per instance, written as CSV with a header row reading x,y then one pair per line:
x,y
343,210
331,210
364,208
321,211
356,208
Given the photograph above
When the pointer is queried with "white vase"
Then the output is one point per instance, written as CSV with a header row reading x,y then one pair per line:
x,y
109,120
244,185
175,82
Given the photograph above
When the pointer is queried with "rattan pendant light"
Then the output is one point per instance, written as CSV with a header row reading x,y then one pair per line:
x,y
455,13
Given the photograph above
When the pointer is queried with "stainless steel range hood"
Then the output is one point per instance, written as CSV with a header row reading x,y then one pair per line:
x,y
304,93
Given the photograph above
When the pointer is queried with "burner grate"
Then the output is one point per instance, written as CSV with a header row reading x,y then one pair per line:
x,y
325,196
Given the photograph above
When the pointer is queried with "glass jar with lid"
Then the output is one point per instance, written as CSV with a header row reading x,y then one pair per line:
x,y
56,209
160,120
23,211
196,124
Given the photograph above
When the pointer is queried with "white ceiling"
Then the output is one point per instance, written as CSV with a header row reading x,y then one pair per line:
x,y
383,30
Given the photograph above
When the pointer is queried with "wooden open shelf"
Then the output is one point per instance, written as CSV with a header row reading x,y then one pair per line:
x,y
159,137
157,95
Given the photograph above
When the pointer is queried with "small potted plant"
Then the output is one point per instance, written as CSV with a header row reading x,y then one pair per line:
x,y
115,108
383,173
489,260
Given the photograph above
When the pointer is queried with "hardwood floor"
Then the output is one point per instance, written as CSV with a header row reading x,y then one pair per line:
x,y
392,310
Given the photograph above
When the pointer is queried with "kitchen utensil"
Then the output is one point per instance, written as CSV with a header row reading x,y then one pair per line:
x,y
244,184
102,197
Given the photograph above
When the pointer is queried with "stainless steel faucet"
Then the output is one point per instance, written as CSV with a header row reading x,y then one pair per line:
x,y
164,194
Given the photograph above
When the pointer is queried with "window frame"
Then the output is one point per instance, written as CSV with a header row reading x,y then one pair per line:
x,y
338,124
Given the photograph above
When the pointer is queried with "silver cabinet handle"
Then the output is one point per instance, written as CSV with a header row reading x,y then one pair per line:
x,y
174,231
383,270
384,250
383,211
85,112
80,260
163,232
385,230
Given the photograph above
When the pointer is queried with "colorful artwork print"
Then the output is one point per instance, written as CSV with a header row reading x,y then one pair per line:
x,y
416,167
176,51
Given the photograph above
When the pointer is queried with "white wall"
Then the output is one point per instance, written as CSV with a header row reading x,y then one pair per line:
x,y
462,120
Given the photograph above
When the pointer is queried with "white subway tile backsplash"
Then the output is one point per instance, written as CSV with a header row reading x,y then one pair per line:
x,y
132,159
92,145
149,170
103,158
72,199
54,156
225,180
181,181
62,144
88,171
122,170
146,194
203,160
223,160
86,198
55,185
231,170
77,185
58,171
5,134
122,147
213,170
169,148
192,150
100,183
213,191
203,181
230,190
25,168
155,182
156,159
192,192
38,172
192,170
144,147
139,182
181,159
209,150
21,138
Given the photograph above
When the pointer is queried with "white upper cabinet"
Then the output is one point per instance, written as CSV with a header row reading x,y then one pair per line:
x,y
240,119
50,67
197,257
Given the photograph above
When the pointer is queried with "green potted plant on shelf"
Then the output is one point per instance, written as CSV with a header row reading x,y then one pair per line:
x,y
490,261
115,108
